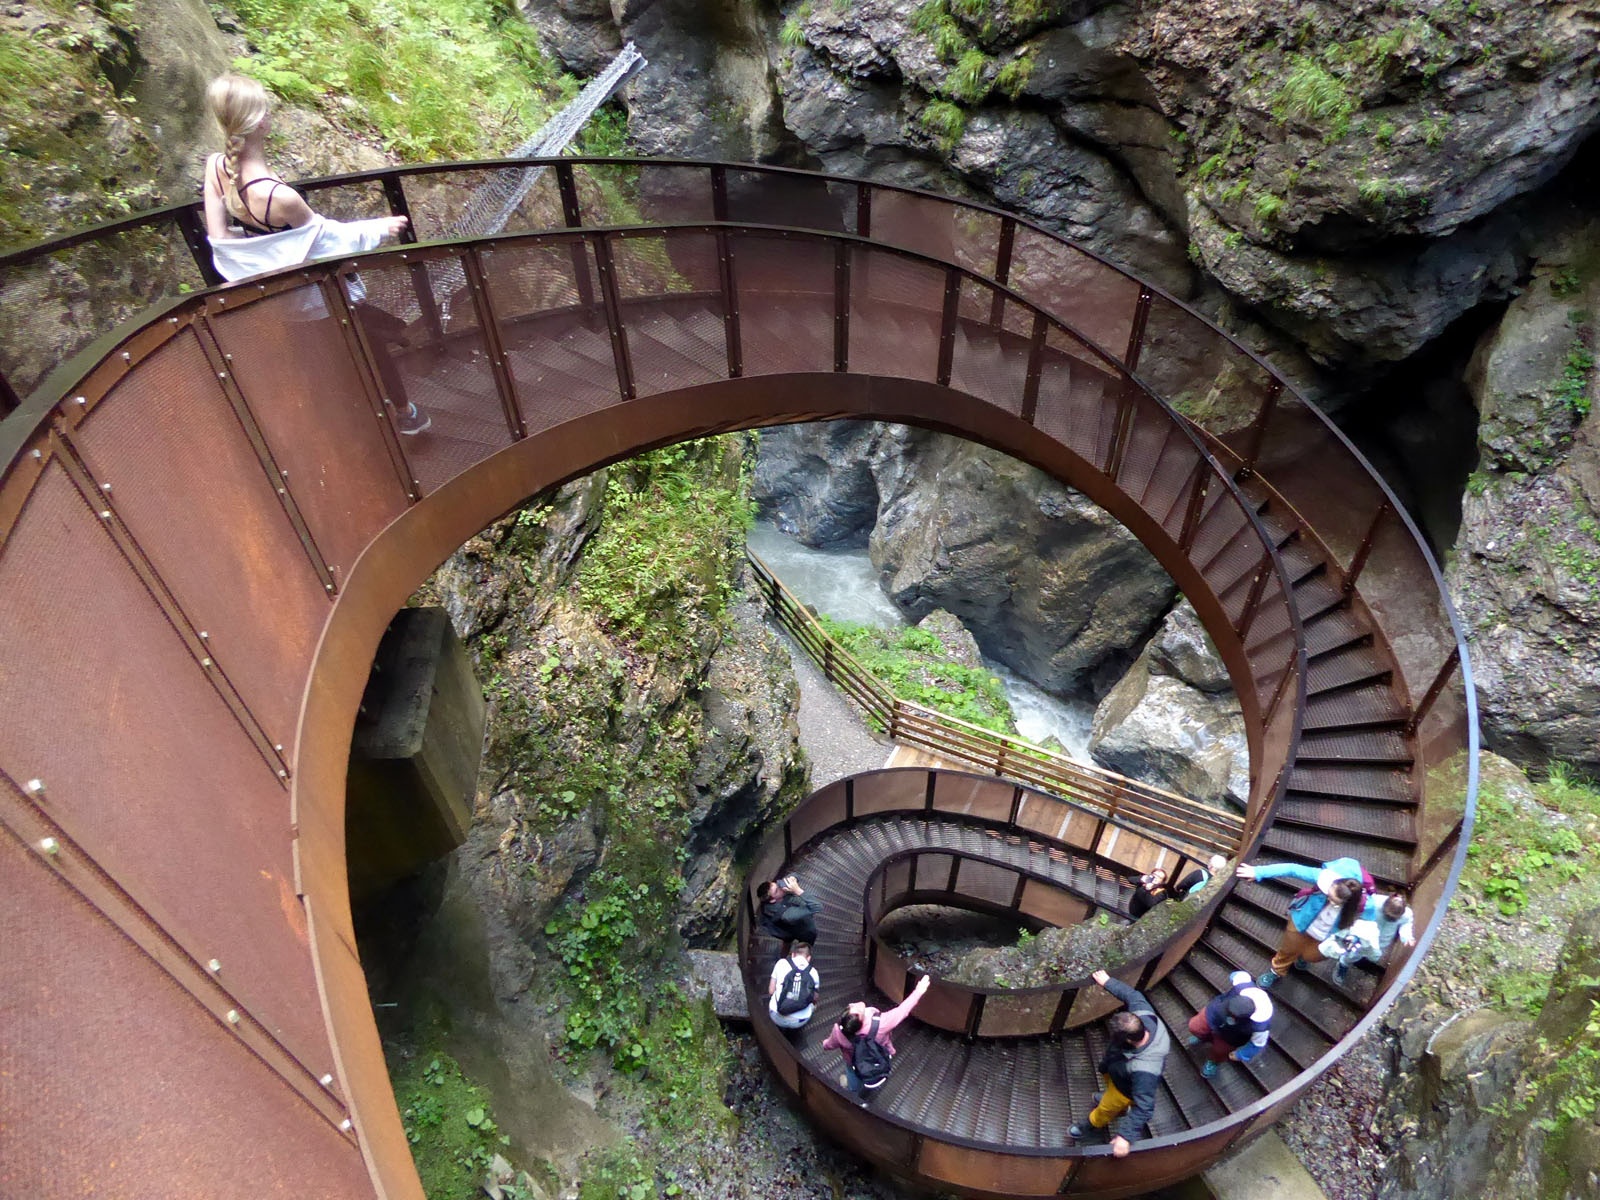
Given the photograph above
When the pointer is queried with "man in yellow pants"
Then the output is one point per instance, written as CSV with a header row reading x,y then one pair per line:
x,y
1130,1069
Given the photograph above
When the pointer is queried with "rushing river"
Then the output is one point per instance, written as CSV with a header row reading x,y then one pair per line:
x,y
843,584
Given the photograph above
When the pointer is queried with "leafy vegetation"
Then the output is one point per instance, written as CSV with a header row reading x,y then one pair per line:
x,y
439,79
661,570
1576,372
1014,76
915,665
448,1122
945,121
1312,93
969,80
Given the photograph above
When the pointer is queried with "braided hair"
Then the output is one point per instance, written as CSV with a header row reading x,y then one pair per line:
x,y
240,105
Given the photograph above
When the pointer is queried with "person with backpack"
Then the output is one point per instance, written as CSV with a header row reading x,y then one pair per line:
x,y
862,1036
1130,1069
1332,899
1235,1025
787,913
1384,920
792,990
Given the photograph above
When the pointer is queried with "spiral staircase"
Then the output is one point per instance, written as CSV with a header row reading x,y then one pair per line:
x,y
208,516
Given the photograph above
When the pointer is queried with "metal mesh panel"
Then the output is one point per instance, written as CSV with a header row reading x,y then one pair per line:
x,y
986,881
452,384
350,201
874,1140
675,195
895,306
1021,1014
677,349
889,791
192,491
608,193
144,764
977,240
1052,904
1199,372
758,197
989,368
56,306
117,1056
1074,405
1091,297
822,811
786,304
439,202
923,224
661,265
307,398
1306,463
987,799
562,365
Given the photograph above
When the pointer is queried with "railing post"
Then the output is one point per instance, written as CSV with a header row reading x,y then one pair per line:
x,y
1359,562
1030,386
1197,499
1141,317
947,325
1253,601
863,210
499,366
394,191
1122,422
572,214
730,305
1451,662
192,225
1258,428
613,308
841,306
719,193
365,360
1002,269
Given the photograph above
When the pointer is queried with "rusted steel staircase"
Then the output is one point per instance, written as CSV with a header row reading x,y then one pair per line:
x,y
208,517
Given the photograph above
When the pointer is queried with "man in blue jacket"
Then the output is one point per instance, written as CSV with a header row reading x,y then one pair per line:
x,y
1130,1069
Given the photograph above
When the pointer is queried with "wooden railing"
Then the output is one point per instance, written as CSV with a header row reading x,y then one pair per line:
x,y
1198,829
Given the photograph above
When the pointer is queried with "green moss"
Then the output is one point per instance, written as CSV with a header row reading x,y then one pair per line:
x,y
1311,93
945,122
448,1122
969,80
915,666
1014,76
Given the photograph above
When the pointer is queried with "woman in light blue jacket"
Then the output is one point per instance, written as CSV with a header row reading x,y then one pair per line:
x,y
1335,901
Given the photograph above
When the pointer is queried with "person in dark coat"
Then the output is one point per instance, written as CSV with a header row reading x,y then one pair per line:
x,y
787,913
1130,1069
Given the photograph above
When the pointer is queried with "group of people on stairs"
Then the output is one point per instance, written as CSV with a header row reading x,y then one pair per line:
x,y
1337,916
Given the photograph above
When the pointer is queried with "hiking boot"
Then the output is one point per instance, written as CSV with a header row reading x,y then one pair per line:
x,y
412,420
1191,1040
1268,978
1209,1070
1077,1131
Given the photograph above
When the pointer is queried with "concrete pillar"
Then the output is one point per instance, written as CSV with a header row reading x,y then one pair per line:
x,y
415,752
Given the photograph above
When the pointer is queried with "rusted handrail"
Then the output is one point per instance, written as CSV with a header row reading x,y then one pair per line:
x,y
1185,825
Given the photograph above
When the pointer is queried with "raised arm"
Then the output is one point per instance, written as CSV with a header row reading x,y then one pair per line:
x,y
891,1019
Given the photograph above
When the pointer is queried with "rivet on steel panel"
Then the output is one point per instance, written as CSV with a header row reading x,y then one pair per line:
x,y
204,636
50,846
105,514
80,400
278,748
105,487
222,374
345,1125
326,1081
282,774
214,966
38,454
282,492
127,357
327,587
233,1016
205,662
35,787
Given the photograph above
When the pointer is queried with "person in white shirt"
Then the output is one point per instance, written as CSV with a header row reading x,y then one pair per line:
x,y
256,222
793,986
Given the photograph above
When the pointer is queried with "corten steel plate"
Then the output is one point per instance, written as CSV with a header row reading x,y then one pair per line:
x,y
155,750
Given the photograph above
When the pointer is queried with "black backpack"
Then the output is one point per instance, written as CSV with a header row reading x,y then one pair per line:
x,y
870,1059
798,990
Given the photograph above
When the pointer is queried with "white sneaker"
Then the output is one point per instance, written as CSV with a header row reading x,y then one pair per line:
x,y
413,420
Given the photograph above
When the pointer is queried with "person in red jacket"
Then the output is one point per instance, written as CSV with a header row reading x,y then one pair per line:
x,y
860,1024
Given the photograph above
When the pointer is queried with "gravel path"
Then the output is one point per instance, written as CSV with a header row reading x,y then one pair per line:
x,y
833,733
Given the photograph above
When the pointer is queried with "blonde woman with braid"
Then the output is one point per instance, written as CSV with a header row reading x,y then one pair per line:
x,y
256,222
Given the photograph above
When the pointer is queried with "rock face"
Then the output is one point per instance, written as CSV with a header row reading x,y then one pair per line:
x,y
1173,719
1526,571
1046,581
815,482
1501,1105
